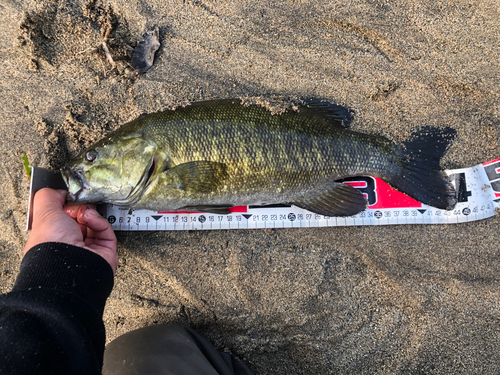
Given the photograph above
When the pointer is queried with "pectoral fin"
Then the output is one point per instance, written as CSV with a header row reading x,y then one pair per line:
x,y
338,200
199,176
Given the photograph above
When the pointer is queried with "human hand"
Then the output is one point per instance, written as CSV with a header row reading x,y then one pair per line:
x,y
78,225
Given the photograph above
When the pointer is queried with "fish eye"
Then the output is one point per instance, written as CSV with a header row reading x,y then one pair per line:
x,y
91,156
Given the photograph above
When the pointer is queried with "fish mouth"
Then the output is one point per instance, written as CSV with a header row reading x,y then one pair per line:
x,y
74,182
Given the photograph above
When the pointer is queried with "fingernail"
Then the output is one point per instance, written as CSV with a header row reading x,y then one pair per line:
x,y
91,213
62,192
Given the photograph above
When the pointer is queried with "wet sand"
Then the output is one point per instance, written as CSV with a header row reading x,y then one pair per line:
x,y
401,299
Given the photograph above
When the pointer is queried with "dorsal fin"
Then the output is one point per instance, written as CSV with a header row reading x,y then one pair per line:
x,y
334,114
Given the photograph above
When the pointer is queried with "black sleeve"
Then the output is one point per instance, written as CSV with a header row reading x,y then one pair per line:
x,y
51,322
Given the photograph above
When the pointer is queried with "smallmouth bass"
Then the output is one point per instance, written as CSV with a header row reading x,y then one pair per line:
x,y
209,156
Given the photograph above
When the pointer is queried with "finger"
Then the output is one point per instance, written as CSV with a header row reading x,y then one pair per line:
x,y
72,209
98,227
83,228
82,209
47,200
100,237
93,239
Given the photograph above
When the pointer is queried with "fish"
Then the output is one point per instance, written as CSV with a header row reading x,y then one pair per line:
x,y
212,155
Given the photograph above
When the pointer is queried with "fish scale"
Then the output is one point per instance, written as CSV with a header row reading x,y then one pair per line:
x,y
282,152
222,153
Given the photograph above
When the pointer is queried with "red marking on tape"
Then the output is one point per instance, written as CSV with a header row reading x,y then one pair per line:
x,y
388,197
491,162
239,209
356,184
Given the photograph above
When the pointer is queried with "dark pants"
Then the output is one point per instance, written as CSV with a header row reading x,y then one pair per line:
x,y
168,349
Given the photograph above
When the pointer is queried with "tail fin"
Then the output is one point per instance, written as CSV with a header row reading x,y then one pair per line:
x,y
420,175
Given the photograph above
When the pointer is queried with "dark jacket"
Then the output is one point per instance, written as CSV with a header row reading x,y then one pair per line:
x,y
51,321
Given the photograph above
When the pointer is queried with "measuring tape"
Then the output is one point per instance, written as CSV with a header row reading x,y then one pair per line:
x,y
478,190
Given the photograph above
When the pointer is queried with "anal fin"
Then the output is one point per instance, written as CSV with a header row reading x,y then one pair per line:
x,y
338,200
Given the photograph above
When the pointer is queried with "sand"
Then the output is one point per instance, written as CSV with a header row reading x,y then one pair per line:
x,y
403,299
